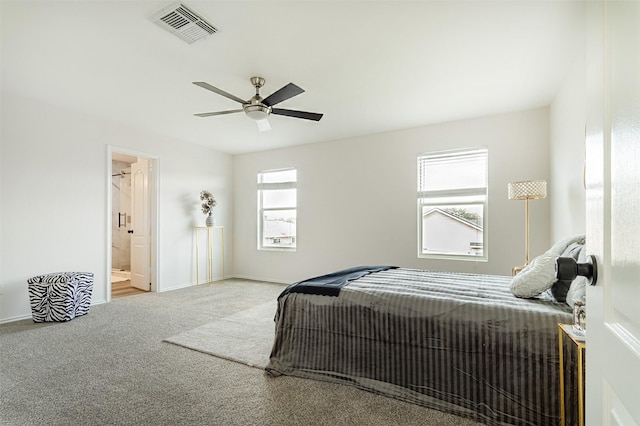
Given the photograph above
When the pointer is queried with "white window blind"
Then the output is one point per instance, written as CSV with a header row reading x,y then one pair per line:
x,y
452,199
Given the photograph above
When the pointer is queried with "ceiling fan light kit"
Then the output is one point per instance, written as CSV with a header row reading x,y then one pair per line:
x,y
259,108
257,112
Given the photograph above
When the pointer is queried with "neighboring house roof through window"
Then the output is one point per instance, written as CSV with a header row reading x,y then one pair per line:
x,y
477,224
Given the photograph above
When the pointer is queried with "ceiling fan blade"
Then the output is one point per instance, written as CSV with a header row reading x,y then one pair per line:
x,y
219,91
297,114
284,93
210,114
263,125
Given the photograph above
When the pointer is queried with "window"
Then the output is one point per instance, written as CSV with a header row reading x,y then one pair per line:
x,y
277,209
452,201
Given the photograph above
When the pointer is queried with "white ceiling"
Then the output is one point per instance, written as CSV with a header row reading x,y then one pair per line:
x,y
369,66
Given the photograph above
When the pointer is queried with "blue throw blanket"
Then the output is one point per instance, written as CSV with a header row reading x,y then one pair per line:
x,y
330,284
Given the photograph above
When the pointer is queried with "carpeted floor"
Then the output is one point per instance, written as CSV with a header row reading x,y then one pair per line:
x,y
112,367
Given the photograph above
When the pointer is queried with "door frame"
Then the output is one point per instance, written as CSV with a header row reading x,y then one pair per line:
x,y
154,188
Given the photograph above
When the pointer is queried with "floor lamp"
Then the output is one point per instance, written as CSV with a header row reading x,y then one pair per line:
x,y
526,190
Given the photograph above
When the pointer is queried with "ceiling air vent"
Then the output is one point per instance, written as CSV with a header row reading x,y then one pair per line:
x,y
182,21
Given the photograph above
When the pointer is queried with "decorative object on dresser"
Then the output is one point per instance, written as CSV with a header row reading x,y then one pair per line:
x,y
208,203
526,190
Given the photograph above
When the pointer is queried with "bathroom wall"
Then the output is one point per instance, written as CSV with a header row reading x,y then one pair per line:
x,y
121,204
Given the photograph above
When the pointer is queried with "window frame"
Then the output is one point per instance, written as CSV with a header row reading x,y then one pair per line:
x,y
261,187
451,198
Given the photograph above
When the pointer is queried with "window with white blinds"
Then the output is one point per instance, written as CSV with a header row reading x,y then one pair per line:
x,y
277,209
452,201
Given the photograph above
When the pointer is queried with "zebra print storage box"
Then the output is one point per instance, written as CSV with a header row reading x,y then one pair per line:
x,y
60,296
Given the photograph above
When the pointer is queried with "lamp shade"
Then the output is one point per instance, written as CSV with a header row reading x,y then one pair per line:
x,y
528,190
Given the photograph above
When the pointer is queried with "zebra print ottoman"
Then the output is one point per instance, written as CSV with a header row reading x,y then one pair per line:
x,y
60,296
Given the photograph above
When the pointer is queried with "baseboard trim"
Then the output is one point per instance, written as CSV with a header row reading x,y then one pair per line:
x,y
268,280
13,319
30,316
177,287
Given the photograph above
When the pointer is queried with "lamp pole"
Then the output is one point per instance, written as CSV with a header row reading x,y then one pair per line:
x,y
526,232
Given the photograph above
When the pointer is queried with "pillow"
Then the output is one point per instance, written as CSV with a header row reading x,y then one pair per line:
x,y
565,243
578,289
536,277
573,250
540,275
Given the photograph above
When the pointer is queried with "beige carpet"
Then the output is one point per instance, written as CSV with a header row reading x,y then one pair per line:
x,y
111,367
245,337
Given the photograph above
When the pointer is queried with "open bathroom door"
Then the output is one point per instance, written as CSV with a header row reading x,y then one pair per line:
x,y
141,225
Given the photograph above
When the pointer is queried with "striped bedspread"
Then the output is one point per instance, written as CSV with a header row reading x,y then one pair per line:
x,y
461,343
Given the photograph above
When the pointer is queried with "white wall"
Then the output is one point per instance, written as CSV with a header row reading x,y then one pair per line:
x,y
567,127
55,176
357,198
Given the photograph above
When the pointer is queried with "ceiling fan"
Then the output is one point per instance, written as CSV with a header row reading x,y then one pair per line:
x,y
260,108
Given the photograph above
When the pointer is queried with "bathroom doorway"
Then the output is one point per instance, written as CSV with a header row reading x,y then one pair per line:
x,y
133,210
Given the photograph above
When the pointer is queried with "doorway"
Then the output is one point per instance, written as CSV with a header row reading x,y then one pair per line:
x,y
132,257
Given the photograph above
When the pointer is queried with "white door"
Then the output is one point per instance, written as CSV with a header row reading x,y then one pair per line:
x,y
141,225
613,212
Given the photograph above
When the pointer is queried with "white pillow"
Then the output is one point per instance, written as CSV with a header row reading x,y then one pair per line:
x,y
562,245
577,291
536,277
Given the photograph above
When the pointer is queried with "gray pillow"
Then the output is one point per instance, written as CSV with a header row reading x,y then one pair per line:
x,y
540,275
578,289
536,277
565,243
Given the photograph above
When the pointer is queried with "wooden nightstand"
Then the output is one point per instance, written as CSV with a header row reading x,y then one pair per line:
x,y
581,345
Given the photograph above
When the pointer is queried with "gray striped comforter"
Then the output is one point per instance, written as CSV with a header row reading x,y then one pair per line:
x,y
460,343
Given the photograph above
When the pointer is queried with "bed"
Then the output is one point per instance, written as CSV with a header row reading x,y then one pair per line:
x,y
460,343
